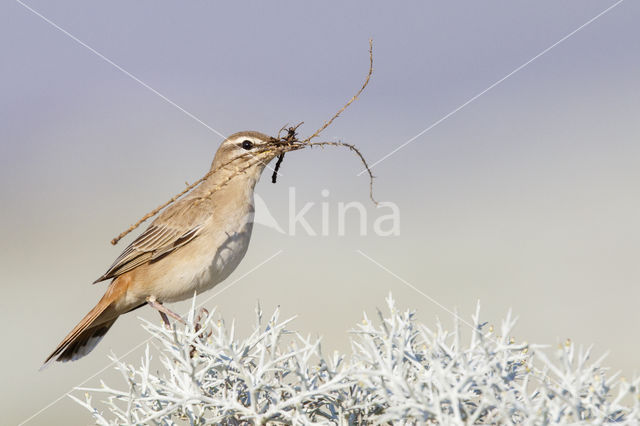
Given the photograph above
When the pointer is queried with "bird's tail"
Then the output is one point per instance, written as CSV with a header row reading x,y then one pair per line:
x,y
87,334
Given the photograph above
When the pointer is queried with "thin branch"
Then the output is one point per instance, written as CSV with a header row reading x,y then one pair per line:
x,y
337,114
359,154
160,207
172,200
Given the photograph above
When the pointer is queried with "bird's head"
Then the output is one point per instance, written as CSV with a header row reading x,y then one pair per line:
x,y
251,150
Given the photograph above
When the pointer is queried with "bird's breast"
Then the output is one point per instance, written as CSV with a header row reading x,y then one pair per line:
x,y
206,260
225,248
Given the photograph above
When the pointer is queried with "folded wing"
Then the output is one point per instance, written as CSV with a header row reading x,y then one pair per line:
x,y
159,239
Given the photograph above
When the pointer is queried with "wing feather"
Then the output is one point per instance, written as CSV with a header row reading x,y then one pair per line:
x,y
184,239
156,241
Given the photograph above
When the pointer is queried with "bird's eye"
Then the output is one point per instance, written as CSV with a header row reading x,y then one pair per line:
x,y
247,144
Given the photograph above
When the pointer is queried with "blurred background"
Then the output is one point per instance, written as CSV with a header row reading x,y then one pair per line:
x,y
526,198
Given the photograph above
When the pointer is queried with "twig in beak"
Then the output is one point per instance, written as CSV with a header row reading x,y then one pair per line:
x,y
288,143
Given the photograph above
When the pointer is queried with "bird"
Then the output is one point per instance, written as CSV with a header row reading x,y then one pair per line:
x,y
192,245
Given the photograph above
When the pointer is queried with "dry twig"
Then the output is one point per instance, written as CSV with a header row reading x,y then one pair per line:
x,y
359,154
172,200
337,114
291,136
286,143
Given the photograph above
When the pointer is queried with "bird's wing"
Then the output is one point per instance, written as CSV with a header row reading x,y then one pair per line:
x,y
174,228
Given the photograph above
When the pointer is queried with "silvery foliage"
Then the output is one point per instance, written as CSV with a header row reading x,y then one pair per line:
x,y
399,372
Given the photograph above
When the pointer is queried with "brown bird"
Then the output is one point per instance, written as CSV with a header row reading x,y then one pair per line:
x,y
190,247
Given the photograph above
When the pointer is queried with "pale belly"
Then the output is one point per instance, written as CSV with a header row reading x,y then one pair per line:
x,y
202,264
225,261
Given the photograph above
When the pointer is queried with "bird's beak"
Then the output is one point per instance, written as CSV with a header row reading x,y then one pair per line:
x,y
280,146
287,142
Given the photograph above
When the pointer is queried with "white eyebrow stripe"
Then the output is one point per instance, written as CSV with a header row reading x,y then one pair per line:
x,y
238,140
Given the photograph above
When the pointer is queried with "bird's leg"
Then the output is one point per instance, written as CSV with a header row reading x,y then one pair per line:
x,y
165,319
164,311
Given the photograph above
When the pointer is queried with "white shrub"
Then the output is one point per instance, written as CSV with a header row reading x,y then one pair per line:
x,y
399,372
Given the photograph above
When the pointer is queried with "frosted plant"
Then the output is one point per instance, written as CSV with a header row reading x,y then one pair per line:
x,y
399,372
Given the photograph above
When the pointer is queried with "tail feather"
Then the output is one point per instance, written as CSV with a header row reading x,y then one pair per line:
x,y
86,335
84,343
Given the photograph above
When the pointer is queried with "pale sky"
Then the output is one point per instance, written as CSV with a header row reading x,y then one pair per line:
x,y
525,198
